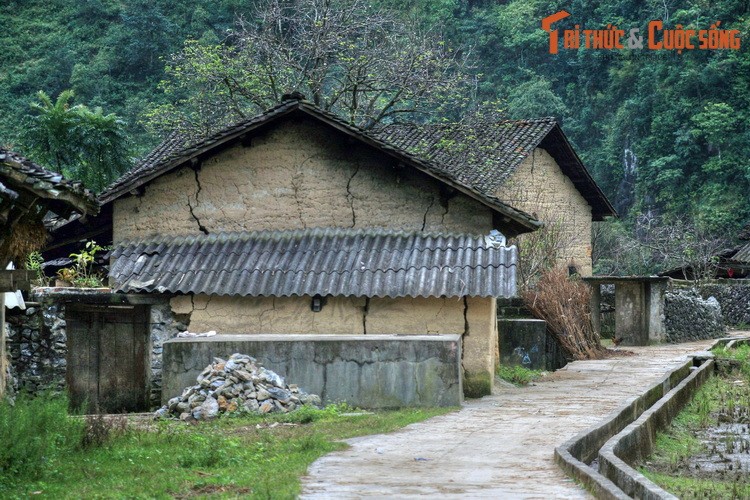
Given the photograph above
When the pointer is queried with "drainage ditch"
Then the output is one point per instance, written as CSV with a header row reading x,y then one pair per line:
x,y
601,457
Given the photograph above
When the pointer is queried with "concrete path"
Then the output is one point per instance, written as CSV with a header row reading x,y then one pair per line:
x,y
500,446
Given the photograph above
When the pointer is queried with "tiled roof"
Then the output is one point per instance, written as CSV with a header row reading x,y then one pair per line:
x,y
742,255
177,150
482,155
18,173
339,262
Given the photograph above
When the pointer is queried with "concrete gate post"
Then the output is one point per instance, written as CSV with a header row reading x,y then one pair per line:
x,y
596,307
657,330
630,309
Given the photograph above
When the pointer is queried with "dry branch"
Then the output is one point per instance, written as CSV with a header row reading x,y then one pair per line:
x,y
564,303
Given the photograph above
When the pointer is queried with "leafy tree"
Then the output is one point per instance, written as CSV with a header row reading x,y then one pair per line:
x,y
80,142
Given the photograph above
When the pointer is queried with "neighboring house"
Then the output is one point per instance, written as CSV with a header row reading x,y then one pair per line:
x,y
296,222
28,194
732,262
735,263
528,164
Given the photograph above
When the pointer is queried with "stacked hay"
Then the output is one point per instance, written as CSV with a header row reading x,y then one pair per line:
x,y
237,384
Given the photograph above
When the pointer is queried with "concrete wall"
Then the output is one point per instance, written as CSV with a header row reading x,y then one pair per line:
x,y
378,371
472,317
297,175
540,188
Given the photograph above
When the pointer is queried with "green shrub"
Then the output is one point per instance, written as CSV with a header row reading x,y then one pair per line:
x,y
34,433
518,374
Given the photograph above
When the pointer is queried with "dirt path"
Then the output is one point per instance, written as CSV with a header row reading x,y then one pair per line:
x,y
500,446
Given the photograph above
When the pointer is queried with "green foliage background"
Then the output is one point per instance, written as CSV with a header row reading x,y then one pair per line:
x,y
659,130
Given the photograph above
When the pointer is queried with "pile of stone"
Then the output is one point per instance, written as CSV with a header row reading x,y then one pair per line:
x,y
237,384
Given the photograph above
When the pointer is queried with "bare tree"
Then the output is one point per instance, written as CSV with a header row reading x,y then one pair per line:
x,y
655,244
347,56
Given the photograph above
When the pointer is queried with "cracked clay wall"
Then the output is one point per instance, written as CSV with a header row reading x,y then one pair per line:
x,y
540,188
297,175
300,175
472,317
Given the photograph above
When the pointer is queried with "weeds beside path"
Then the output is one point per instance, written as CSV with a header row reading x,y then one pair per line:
x,y
250,456
705,452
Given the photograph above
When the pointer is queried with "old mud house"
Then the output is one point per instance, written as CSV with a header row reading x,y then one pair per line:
x,y
295,222
528,164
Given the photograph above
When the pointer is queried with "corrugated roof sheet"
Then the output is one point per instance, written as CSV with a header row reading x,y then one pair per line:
x,y
339,262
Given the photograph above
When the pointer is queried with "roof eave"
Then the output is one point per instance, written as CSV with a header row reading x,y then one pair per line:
x,y
518,221
600,204
62,198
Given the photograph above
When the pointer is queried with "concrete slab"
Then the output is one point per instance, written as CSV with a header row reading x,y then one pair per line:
x,y
500,446
368,371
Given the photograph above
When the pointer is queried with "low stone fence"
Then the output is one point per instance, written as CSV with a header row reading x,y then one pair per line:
x,y
688,316
373,371
734,298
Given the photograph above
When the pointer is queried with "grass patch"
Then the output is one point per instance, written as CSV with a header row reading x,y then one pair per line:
x,y
690,488
249,456
518,375
691,436
35,436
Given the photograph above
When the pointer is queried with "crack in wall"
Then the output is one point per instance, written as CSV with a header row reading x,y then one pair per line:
x,y
265,311
445,199
466,332
466,315
424,217
364,315
192,303
350,196
295,187
201,227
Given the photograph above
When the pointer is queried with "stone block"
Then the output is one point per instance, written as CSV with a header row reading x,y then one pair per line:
x,y
373,371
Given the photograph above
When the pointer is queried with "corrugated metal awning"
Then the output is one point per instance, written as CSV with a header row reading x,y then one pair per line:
x,y
339,262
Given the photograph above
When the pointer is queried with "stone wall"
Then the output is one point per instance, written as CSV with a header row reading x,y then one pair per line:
x,y
163,326
472,317
689,317
734,298
540,188
37,344
297,175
